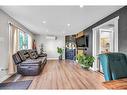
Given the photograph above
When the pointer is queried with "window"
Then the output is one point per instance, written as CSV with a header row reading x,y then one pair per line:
x,y
21,39
25,40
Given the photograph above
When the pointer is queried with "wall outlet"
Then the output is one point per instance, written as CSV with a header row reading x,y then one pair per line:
x,y
3,69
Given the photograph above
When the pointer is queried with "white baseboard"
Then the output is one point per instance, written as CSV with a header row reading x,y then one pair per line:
x,y
53,58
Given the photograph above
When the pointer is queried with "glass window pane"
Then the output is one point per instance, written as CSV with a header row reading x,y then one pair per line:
x,y
24,40
20,40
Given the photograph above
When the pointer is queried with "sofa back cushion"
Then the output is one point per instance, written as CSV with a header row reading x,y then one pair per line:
x,y
103,59
33,54
16,58
21,54
118,65
36,53
114,65
26,53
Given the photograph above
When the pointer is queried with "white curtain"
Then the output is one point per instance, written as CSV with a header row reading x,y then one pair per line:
x,y
29,42
13,47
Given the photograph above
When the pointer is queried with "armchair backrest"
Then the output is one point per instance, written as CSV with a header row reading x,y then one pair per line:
x,y
114,65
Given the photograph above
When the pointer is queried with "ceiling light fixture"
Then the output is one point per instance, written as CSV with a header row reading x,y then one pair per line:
x,y
68,25
43,22
51,37
81,6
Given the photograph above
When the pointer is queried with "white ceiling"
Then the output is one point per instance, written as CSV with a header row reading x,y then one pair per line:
x,y
57,17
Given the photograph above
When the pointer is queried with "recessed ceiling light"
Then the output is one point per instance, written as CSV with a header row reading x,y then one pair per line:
x,y
43,22
81,6
68,25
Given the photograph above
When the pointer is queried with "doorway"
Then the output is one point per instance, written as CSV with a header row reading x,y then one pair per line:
x,y
105,39
106,44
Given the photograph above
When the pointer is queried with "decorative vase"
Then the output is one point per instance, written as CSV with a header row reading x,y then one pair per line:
x,y
84,67
60,57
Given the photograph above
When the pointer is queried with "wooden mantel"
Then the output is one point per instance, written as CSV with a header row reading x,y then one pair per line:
x,y
80,34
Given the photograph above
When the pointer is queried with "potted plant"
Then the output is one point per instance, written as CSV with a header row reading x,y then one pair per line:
x,y
85,61
60,51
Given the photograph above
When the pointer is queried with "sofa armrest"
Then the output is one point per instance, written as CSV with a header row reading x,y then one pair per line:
x,y
42,55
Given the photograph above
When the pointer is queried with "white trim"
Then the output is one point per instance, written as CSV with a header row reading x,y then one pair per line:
x,y
106,30
94,49
53,58
112,20
116,33
115,20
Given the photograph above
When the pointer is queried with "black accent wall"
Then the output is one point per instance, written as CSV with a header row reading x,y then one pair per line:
x,y
122,29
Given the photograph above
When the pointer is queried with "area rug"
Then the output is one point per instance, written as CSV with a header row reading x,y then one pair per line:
x,y
15,85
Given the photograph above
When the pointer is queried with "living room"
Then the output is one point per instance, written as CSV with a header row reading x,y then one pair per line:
x,y
48,49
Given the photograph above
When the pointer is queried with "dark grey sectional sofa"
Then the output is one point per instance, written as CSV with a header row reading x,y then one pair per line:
x,y
29,62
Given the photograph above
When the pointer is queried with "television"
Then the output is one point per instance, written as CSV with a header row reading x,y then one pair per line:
x,y
82,41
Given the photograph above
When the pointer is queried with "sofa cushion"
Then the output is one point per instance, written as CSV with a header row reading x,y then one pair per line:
x,y
26,54
16,58
118,65
31,62
33,54
36,53
21,54
114,65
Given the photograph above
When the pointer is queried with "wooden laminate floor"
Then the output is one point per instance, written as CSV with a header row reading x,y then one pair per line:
x,y
64,74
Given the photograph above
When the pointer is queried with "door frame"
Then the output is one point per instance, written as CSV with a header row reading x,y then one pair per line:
x,y
94,30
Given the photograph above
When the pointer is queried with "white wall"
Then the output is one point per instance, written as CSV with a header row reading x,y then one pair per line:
x,y
50,46
4,37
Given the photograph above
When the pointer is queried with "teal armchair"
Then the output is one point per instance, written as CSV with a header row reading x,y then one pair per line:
x,y
114,65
